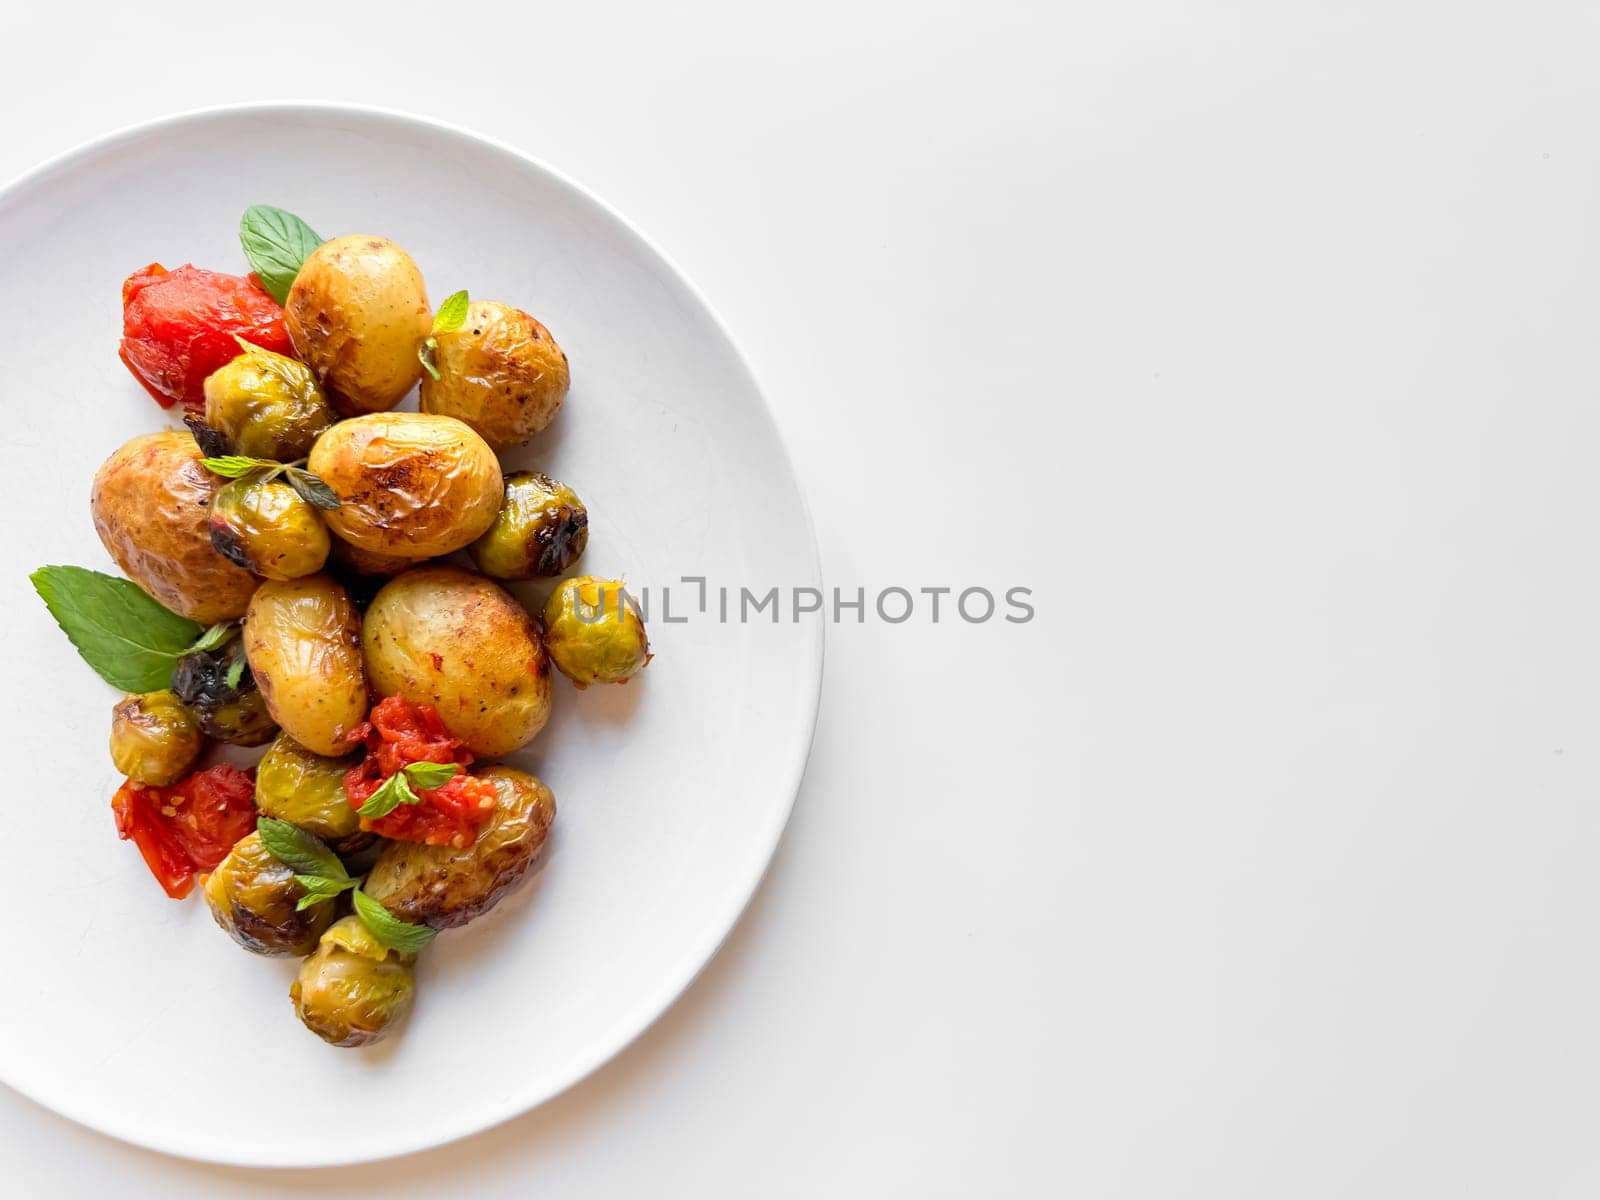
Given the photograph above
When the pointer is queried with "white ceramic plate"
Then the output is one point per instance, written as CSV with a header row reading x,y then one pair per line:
x,y
136,1015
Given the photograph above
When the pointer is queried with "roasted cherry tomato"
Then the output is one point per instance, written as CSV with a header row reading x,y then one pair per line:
x,y
188,827
399,733
179,326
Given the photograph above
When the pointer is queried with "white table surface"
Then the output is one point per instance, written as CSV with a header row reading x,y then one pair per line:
x,y
1260,341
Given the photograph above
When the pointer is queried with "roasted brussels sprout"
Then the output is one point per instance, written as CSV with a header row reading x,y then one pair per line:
x,y
150,502
594,631
501,372
234,712
446,886
446,637
354,989
266,405
357,315
154,738
541,530
254,897
408,484
264,526
306,789
303,640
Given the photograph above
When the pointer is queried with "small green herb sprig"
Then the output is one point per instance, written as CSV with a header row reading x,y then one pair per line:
x,y
452,315
399,788
128,639
319,871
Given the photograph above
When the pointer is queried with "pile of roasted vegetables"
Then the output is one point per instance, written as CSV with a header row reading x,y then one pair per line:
x,y
311,571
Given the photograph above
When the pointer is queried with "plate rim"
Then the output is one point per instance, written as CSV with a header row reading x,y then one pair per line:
x,y
700,958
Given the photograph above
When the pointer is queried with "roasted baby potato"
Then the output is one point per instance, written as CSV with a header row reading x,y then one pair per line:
x,y
541,530
594,631
303,641
408,484
446,886
265,527
354,989
216,685
154,738
306,789
266,405
150,501
357,315
254,896
501,372
366,562
455,640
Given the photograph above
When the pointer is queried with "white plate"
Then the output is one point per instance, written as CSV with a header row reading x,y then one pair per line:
x,y
136,1015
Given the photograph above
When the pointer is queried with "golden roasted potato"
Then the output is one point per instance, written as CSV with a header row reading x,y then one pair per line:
x,y
151,502
455,640
302,639
501,372
357,315
367,562
409,484
446,886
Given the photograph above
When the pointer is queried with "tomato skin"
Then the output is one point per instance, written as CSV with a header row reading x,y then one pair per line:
x,y
188,827
399,733
179,326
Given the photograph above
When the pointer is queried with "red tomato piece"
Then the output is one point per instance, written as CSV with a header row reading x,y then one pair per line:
x,y
399,733
179,326
188,827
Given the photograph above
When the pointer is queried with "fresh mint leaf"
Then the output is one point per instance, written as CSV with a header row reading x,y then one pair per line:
x,y
311,488
127,638
394,792
277,243
319,888
235,672
214,638
233,466
298,850
452,314
425,353
389,929
430,775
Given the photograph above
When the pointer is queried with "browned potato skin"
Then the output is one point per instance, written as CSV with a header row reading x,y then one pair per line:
x,y
367,562
409,485
444,886
151,503
501,372
302,639
446,637
357,314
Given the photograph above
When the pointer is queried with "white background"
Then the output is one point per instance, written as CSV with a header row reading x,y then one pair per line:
x,y
1260,341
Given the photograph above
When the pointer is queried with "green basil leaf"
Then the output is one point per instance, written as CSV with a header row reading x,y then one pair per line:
x,y
214,638
232,466
452,314
312,489
430,775
394,792
298,850
388,928
127,638
277,243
